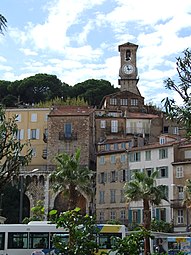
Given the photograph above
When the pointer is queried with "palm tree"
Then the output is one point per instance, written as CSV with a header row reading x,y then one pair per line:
x,y
143,187
70,177
3,24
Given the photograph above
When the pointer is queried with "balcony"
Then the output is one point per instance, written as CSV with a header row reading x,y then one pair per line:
x,y
176,203
67,136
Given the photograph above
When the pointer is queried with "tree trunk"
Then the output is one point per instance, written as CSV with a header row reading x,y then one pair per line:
x,y
72,197
147,225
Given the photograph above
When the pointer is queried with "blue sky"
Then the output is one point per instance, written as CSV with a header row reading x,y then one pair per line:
x,y
78,40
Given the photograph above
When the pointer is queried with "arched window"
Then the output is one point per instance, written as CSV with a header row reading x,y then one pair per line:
x,y
128,55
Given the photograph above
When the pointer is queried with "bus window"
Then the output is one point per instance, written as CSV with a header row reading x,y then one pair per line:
x,y
2,240
38,240
17,240
61,237
106,239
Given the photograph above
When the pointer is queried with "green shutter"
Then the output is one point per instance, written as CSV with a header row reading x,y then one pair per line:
x,y
139,216
157,214
130,216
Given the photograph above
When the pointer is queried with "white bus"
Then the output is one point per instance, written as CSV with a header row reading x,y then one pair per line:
x,y
25,239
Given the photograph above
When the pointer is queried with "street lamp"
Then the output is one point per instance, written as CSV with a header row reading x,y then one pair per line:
x,y
22,192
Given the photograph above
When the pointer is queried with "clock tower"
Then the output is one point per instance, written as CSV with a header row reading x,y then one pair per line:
x,y
128,69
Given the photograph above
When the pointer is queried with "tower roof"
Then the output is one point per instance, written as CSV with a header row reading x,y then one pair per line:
x,y
127,44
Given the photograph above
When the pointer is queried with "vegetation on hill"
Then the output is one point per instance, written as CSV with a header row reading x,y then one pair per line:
x,y
42,88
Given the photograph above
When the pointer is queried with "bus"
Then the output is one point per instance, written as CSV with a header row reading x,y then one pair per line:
x,y
178,244
36,237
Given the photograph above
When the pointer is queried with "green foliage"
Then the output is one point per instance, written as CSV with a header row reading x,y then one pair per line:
x,y
38,213
59,101
93,90
45,88
12,155
143,187
70,177
180,112
82,230
131,244
162,226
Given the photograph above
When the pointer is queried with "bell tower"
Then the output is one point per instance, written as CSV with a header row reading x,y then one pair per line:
x,y
128,69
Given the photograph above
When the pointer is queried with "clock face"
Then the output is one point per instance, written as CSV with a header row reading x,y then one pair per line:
x,y
128,69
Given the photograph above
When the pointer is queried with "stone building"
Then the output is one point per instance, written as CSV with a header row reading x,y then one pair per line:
x,y
70,128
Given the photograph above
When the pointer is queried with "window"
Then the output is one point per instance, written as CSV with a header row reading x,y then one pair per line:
x,y
180,218
134,101
123,158
116,146
175,130
68,130
112,195
107,147
179,172
135,216
122,215
147,155
165,129
113,176
123,146
17,240
122,196
161,214
101,216
135,156
34,117
18,118
113,101
102,197
113,215
113,159
33,134
163,153
38,240
102,160
102,124
187,154
162,140
114,126
162,172
123,175
20,134
102,177
123,101
2,241
149,171
180,192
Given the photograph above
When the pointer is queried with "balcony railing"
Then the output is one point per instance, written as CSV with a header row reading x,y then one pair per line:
x,y
67,136
176,203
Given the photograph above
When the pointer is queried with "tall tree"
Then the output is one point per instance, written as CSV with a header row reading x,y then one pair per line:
x,y
3,23
40,87
181,111
70,177
143,187
13,153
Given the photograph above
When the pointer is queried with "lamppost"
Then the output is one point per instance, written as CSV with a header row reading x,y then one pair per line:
x,y
22,192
